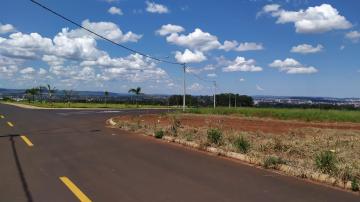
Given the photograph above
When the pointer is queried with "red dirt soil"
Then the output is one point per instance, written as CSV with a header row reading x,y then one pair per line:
x,y
236,123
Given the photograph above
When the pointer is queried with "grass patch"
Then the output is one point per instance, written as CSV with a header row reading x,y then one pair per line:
x,y
326,162
86,105
286,114
159,134
273,161
354,184
242,145
214,136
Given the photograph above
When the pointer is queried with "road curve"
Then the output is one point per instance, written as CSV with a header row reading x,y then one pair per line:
x,y
74,155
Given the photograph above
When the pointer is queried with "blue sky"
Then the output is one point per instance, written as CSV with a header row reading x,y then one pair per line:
x,y
255,47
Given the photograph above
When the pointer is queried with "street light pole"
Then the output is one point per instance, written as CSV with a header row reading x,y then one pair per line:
x,y
214,94
184,86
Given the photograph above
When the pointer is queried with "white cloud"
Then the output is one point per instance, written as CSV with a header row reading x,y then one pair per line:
x,y
42,71
246,46
107,29
249,46
212,75
242,65
27,70
197,40
306,48
115,11
259,88
169,29
241,79
195,87
317,19
354,36
153,7
291,66
6,28
189,56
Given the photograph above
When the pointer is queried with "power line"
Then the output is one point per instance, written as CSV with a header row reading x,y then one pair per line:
x,y
99,35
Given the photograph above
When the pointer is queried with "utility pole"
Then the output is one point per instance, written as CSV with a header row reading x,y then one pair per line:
x,y
235,100
214,94
229,100
184,68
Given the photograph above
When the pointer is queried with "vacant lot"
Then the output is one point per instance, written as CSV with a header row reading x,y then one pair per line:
x,y
318,115
302,145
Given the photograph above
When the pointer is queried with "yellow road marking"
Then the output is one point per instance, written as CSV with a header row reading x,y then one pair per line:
x,y
27,141
75,190
2,116
10,124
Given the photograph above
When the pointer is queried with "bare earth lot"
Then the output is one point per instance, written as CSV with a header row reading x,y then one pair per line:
x,y
295,143
240,123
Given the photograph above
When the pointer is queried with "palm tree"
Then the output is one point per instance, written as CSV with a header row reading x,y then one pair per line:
x,y
50,91
137,92
68,94
32,92
106,93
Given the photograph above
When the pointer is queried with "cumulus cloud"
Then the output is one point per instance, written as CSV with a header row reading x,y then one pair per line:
x,y
169,29
115,11
259,88
153,7
6,28
107,29
195,87
292,66
197,40
73,58
246,46
317,19
241,79
306,49
240,64
189,56
212,75
354,36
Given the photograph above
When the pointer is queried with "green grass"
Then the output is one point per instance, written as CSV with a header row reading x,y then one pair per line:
x,y
86,105
286,114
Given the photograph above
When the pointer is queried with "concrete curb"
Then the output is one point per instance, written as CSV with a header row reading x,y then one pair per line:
x,y
289,170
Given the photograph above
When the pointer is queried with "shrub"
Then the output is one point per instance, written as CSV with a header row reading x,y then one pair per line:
x,y
159,134
242,144
214,136
326,162
273,161
175,125
354,184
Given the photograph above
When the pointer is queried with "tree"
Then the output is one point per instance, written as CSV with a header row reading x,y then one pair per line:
x,y
137,92
32,92
106,93
68,94
50,91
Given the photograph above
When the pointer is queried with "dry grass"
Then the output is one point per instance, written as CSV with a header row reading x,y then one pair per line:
x,y
298,148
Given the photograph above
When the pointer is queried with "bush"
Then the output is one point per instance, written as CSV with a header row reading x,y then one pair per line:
x,y
354,184
214,136
242,144
159,134
273,161
326,162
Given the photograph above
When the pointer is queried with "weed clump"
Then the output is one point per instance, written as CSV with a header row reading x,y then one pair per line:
x,y
159,134
214,136
242,145
326,162
354,184
273,161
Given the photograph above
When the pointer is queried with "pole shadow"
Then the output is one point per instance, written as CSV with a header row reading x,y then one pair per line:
x,y
19,167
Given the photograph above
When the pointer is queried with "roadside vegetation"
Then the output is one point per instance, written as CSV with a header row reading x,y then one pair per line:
x,y
308,150
309,115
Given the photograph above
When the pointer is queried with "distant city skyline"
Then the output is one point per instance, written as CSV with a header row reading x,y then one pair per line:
x,y
254,47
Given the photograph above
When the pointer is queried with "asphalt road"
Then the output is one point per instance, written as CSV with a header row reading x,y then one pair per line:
x,y
110,165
